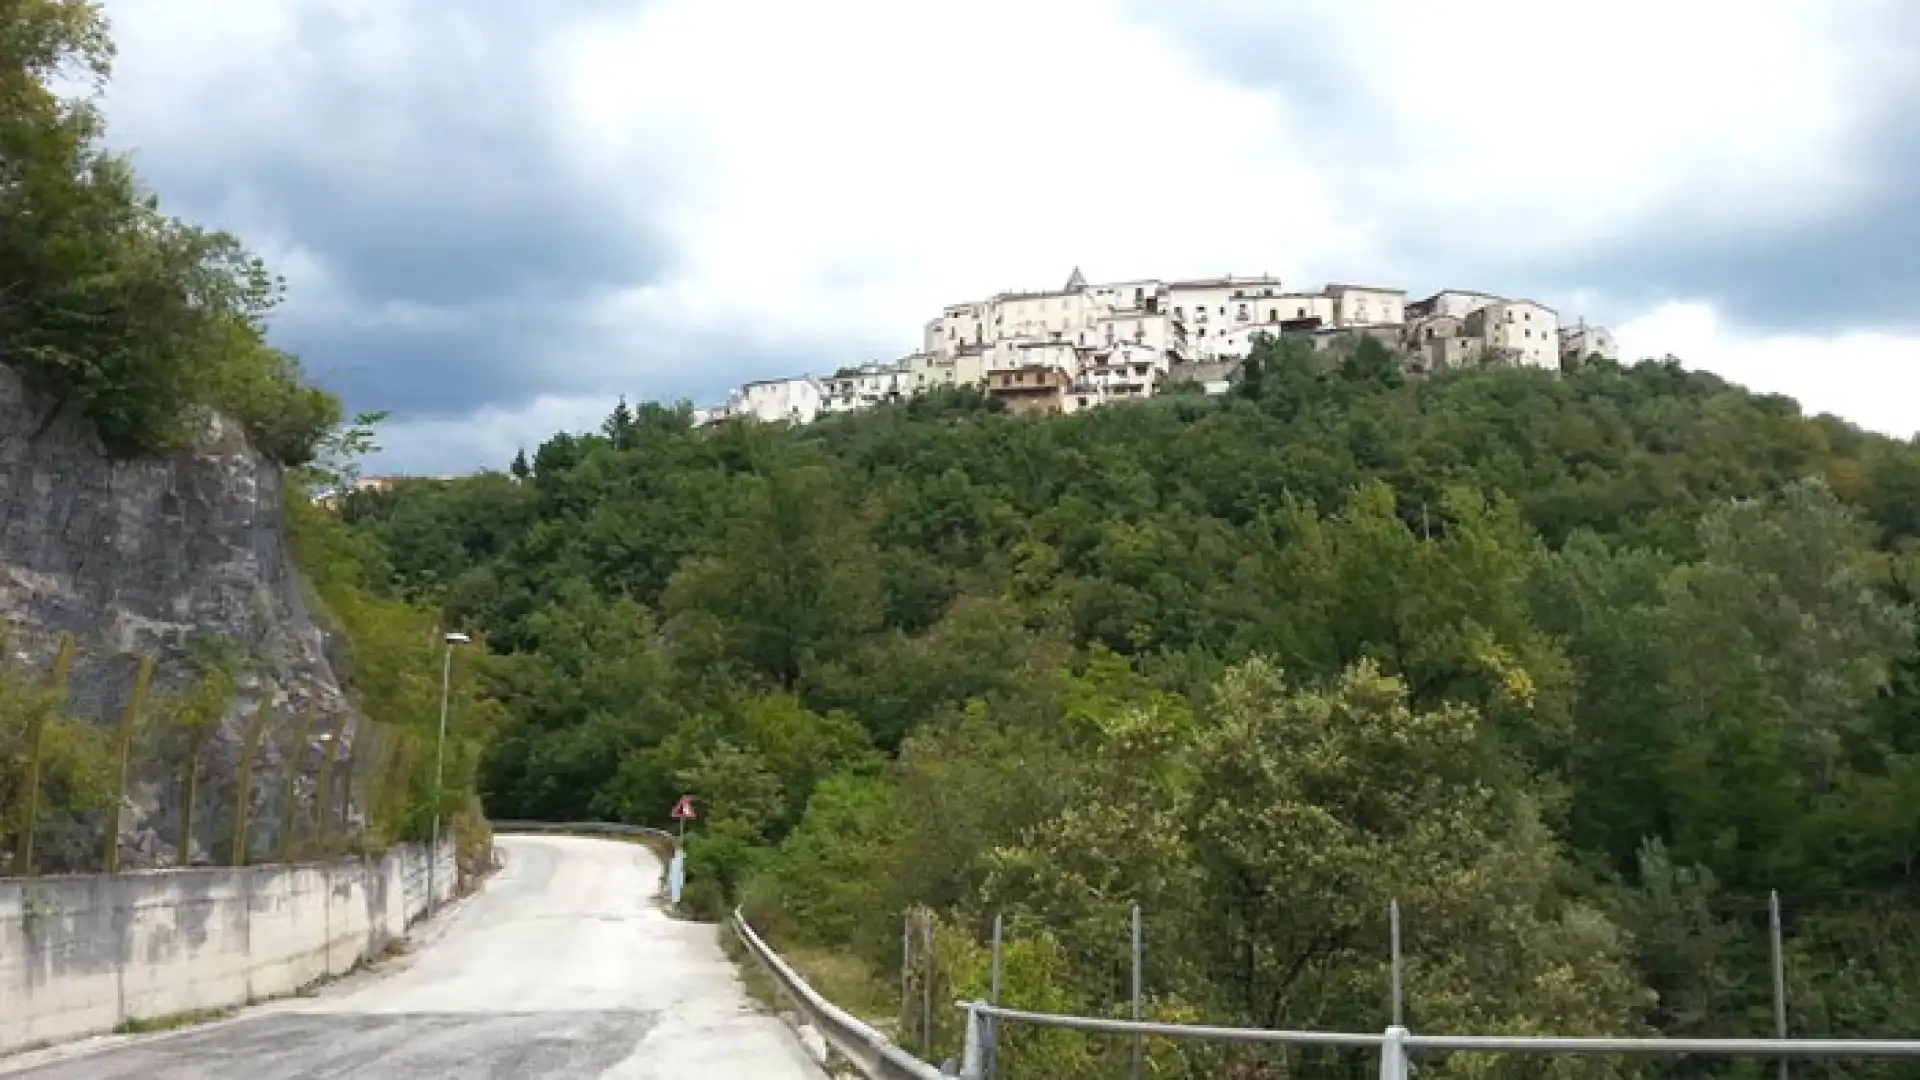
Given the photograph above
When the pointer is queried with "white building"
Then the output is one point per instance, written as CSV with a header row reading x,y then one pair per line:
x,y
958,326
1136,328
1581,341
1520,331
1123,373
1118,340
1366,305
1021,354
797,400
1295,306
1458,303
866,386
1142,296
1203,311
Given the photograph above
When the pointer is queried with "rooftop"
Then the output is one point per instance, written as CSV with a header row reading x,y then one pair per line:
x,y
1228,281
1334,286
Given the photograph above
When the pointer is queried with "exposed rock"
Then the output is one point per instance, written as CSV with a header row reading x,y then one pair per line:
x,y
141,558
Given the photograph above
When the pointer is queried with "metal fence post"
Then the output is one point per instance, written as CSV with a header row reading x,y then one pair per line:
x,y
323,795
122,759
992,1065
906,974
978,1050
1139,1045
1399,975
291,763
243,786
1779,973
37,721
926,985
1393,1054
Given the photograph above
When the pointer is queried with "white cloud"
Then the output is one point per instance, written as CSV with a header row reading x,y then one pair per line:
x,y
1517,128
1869,378
851,165
485,440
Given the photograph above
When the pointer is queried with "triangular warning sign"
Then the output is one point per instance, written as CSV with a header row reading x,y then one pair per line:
x,y
683,810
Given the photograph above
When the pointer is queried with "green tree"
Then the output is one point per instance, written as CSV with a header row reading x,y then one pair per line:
x,y
1314,810
793,583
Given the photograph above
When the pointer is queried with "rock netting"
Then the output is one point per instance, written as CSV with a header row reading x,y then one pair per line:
x,y
144,558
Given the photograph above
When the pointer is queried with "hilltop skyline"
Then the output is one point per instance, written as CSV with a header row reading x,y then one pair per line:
x,y
494,223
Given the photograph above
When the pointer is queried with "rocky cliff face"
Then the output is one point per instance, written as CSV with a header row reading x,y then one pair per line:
x,y
144,559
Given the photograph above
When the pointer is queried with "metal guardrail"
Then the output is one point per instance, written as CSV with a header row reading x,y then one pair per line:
x,y
1396,1043
871,1053
878,1058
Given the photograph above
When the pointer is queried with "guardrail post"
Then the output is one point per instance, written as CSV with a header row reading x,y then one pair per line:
x,y
1139,1046
1779,975
993,996
979,1048
926,987
1399,974
1393,1054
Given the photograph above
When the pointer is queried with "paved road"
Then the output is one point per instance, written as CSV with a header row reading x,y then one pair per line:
x,y
564,967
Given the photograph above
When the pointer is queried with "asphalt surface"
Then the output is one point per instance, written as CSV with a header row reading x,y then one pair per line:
x,y
563,966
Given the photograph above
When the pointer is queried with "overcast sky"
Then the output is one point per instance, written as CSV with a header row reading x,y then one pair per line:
x,y
496,216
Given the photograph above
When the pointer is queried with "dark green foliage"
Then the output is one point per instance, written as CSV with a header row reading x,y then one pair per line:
x,y
936,655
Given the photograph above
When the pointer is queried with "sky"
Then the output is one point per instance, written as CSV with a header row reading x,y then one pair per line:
x,y
496,217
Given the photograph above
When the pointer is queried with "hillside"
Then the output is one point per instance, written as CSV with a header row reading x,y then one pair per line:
x,y
189,647
1577,666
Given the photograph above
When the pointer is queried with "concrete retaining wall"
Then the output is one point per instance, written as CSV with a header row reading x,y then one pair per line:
x,y
81,955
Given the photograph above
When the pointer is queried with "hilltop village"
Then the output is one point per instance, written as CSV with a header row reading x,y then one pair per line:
x,y
1082,345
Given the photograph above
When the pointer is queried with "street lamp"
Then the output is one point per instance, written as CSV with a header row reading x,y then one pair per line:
x,y
440,761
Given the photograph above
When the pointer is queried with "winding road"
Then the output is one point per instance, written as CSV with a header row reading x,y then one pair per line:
x,y
564,966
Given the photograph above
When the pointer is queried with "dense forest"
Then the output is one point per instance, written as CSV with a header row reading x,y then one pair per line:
x,y
1577,666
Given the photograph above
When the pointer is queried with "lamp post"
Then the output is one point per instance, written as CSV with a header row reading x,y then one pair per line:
x,y
440,762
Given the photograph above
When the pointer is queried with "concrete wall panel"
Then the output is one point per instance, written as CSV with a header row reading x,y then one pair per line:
x,y
82,955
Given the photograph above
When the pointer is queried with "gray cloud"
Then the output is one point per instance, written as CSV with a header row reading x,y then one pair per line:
x,y
430,179
1858,270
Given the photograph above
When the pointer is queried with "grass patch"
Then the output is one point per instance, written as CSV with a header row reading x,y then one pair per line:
x,y
761,988
840,977
148,1025
847,981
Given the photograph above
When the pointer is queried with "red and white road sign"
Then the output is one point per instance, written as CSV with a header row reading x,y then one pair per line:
x,y
683,810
